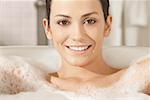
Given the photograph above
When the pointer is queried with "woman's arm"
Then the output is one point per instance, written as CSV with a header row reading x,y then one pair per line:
x,y
136,78
144,64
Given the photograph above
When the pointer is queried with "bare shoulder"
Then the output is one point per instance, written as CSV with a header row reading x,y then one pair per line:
x,y
144,61
139,68
142,64
19,75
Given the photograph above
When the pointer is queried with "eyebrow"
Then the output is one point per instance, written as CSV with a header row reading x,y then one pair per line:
x,y
89,14
62,15
85,15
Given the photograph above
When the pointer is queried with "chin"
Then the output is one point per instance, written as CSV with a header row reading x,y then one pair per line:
x,y
81,62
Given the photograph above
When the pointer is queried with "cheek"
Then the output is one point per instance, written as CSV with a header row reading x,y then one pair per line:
x,y
95,33
58,35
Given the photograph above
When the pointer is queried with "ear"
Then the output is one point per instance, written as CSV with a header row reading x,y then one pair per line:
x,y
108,26
47,29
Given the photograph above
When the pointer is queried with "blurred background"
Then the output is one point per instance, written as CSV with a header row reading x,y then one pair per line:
x,y
21,23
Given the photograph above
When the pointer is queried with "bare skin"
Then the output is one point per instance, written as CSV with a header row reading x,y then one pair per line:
x,y
72,30
141,75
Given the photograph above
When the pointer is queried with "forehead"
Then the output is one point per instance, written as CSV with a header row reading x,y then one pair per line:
x,y
75,6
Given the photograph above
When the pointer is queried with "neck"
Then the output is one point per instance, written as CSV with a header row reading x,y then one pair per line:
x,y
98,66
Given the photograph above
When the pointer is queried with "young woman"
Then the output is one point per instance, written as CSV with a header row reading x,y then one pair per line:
x,y
77,28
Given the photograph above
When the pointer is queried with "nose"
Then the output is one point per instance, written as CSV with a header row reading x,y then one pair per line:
x,y
78,32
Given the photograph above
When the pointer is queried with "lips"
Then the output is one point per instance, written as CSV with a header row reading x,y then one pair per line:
x,y
79,48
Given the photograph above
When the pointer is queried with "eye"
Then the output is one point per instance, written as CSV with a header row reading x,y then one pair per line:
x,y
63,22
89,21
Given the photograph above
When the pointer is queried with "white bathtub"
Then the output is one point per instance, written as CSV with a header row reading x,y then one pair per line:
x,y
115,56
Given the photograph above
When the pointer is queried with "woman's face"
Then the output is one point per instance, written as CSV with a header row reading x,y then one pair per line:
x,y
77,28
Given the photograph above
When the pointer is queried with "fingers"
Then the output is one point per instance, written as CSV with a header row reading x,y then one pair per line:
x,y
147,90
58,82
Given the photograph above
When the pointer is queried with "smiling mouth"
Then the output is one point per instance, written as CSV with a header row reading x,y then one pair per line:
x,y
79,48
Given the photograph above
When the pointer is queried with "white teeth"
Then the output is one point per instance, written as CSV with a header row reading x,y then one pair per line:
x,y
78,48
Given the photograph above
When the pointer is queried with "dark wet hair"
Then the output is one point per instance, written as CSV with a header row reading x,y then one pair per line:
x,y
105,6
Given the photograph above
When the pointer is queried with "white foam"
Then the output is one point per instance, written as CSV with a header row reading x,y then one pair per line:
x,y
116,92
